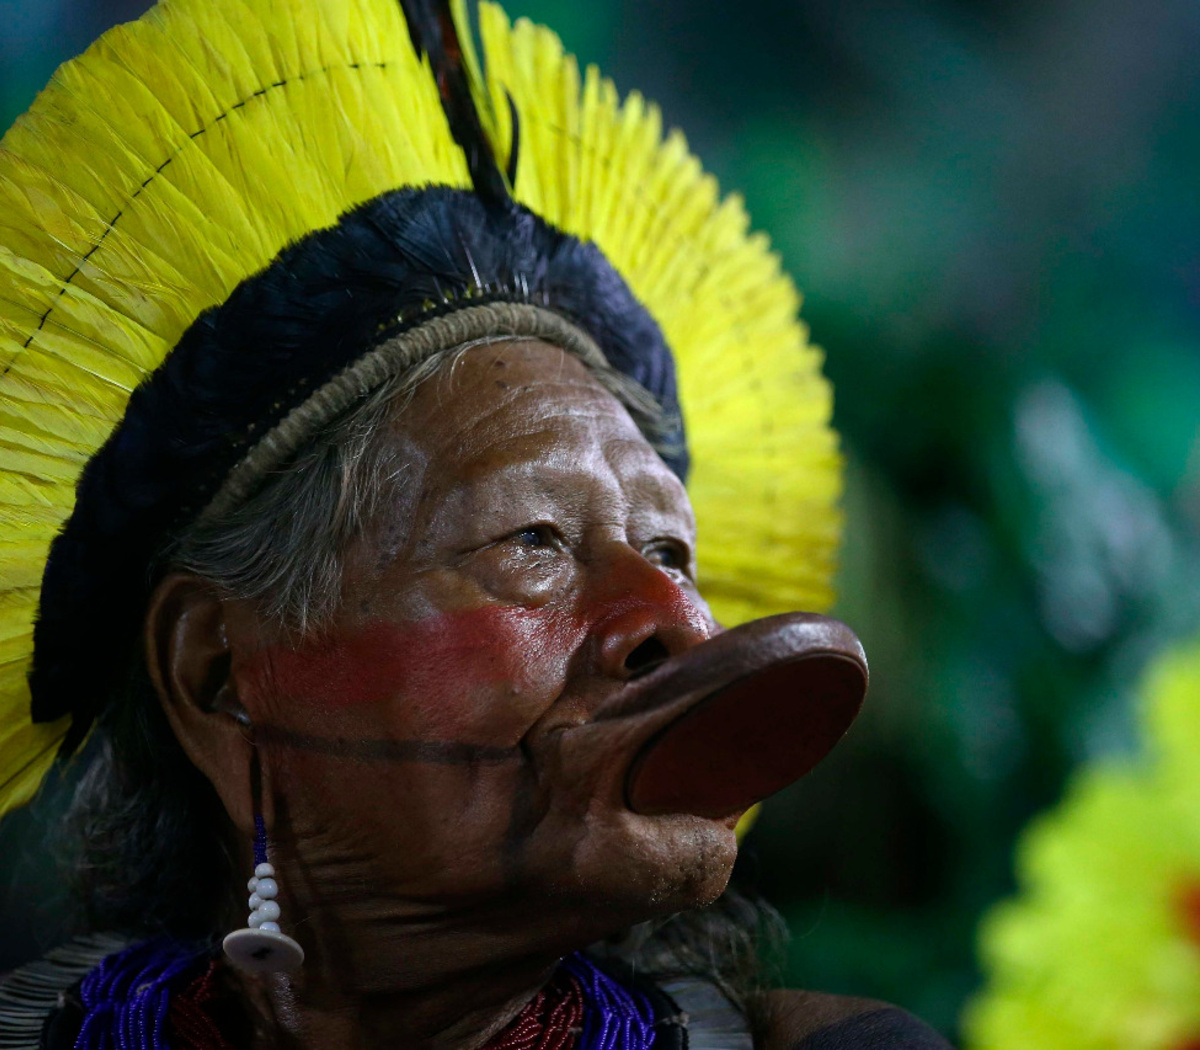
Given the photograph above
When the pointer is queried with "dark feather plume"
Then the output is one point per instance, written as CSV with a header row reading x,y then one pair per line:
x,y
431,26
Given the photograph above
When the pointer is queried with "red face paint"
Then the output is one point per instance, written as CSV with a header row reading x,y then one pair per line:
x,y
479,675
634,596
438,671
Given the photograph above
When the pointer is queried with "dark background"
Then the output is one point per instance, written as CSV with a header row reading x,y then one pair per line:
x,y
992,209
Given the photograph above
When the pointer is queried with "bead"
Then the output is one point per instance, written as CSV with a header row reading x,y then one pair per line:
x,y
254,902
264,870
255,920
271,927
252,885
268,911
267,889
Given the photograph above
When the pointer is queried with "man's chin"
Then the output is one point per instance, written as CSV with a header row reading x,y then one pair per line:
x,y
655,867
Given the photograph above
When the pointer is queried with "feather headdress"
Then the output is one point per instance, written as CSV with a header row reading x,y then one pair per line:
x,y
180,158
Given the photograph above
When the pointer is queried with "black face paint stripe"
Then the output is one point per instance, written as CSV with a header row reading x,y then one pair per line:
x,y
432,752
528,808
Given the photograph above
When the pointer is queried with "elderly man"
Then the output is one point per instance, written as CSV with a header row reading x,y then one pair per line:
x,y
341,420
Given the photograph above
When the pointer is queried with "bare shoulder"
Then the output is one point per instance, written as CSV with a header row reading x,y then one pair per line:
x,y
814,1021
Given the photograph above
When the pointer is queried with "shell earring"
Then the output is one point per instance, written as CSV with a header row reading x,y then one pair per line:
x,y
262,947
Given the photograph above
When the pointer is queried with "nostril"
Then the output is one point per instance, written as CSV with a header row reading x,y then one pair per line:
x,y
646,657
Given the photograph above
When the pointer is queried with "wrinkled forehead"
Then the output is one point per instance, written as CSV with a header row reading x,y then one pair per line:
x,y
515,400
519,419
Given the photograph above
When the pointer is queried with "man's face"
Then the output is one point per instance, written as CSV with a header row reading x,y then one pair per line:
x,y
432,757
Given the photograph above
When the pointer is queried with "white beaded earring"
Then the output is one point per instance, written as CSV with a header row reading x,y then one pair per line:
x,y
262,947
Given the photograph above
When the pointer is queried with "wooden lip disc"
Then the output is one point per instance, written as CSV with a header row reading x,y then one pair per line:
x,y
793,684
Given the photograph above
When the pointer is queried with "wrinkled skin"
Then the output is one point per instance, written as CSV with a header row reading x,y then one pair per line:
x,y
445,817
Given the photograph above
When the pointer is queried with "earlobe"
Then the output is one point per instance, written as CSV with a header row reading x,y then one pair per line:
x,y
189,659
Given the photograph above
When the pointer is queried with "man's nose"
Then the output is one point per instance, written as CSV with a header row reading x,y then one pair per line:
x,y
645,617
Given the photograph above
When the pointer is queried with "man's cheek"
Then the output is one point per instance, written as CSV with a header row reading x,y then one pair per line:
x,y
472,676
427,830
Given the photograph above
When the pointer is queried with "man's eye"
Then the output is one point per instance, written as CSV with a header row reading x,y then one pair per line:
x,y
668,555
536,536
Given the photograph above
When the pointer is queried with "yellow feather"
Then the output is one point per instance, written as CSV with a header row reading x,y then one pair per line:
x,y
26,753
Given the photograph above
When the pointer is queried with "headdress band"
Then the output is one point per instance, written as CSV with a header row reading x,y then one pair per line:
x,y
486,321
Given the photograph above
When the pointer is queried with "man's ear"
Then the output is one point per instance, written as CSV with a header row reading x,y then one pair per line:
x,y
189,659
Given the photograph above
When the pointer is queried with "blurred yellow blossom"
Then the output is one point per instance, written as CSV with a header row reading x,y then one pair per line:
x,y
1101,949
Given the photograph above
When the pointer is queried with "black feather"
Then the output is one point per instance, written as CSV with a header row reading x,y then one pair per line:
x,y
433,32
515,151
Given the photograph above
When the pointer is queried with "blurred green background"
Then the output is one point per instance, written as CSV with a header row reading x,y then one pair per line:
x,y
991,207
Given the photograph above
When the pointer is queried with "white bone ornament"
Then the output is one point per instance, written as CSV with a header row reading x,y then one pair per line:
x,y
262,947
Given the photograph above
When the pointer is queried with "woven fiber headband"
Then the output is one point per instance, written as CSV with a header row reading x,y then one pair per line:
x,y
468,325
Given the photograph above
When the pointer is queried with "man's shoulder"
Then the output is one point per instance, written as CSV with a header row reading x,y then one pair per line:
x,y
815,1021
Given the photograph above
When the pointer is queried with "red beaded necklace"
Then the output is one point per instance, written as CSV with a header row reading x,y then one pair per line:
x,y
551,1020
192,1027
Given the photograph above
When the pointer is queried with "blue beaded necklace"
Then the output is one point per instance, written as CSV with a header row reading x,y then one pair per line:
x,y
127,997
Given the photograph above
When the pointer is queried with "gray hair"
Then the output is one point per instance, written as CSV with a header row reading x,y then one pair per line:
x,y
283,547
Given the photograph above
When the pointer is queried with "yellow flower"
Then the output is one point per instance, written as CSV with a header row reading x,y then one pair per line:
x,y
1102,947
